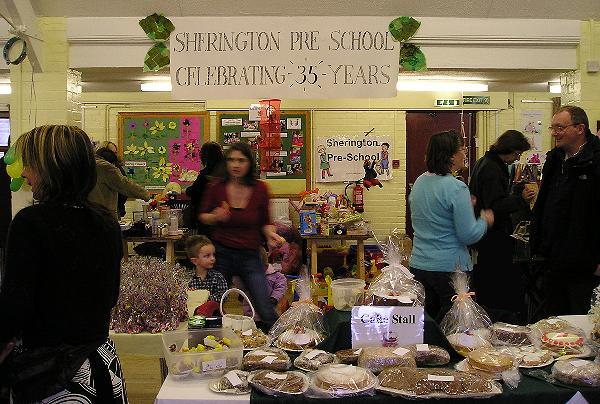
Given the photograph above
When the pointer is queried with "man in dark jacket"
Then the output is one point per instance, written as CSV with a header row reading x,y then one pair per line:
x,y
498,282
567,216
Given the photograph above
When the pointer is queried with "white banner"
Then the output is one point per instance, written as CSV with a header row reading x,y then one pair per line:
x,y
283,57
345,158
389,326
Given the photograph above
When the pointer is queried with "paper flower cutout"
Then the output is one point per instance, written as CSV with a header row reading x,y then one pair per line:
x,y
411,56
156,58
131,149
158,127
162,149
146,148
163,170
172,125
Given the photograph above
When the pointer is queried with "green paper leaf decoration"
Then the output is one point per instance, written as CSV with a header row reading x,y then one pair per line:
x,y
157,27
156,58
16,183
412,58
403,28
10,155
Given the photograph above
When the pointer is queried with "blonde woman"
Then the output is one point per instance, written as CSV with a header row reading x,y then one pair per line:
x,y
61,278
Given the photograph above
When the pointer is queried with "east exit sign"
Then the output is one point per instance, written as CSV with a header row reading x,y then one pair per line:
x,y
476,100
446,102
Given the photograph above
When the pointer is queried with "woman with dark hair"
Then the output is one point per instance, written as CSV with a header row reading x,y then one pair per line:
x,y
211,156
61,278
238,208
503,295
443,221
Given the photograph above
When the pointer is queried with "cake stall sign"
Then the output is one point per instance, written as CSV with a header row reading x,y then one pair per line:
x,y
386,326
283,57
346,158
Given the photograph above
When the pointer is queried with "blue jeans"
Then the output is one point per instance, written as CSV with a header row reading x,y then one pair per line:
x,y
248,266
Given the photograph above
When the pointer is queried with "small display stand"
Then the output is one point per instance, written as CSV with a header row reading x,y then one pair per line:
x,y
360,249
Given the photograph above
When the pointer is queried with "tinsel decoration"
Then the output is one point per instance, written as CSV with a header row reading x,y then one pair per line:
x,y
152,297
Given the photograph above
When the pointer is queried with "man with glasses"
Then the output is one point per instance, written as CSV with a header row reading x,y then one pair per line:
x,y
567,215
497,282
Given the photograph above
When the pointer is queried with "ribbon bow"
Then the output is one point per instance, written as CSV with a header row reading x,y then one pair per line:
x,y
462,296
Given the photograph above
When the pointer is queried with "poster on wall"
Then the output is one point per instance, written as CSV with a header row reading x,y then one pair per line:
x,y
159,148
346,158
531,126
283,57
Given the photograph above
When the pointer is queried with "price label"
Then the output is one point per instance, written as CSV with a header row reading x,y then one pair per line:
x,y
422,347
436,378
313,353
579,363
401,351
268,359
211,366
358,351
233,378
247,333
276,376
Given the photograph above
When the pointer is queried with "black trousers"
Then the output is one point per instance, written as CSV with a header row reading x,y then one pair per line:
x,y
438,292
564,295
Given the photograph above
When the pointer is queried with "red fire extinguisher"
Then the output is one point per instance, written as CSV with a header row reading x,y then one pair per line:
x,y
357,198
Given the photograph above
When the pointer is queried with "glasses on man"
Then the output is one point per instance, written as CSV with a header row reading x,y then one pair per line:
x,y
560,128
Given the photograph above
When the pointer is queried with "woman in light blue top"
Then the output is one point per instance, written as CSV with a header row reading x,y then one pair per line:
x,y
444,222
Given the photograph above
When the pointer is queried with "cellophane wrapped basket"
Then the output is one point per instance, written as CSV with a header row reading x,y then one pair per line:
x,y
302,325
395,286
152,297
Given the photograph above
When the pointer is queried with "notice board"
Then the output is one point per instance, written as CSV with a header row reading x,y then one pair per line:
x,y
290,172
158,148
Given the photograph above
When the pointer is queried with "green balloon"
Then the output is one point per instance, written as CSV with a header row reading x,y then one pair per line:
x,y
15,169
16,183
10,155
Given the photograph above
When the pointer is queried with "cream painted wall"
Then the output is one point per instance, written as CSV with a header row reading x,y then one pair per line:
x,y
384,208
589,49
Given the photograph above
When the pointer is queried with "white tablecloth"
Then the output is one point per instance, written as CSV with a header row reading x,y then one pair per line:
x,y
195,391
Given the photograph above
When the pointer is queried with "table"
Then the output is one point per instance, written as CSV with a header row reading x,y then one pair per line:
x,y
360,249
195,391
170,240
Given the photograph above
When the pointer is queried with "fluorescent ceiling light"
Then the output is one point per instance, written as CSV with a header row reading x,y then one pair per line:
x,y
5,89
439,85
156,86
554,88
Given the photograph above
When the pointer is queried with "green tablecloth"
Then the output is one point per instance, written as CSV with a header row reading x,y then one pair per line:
x,y
530,390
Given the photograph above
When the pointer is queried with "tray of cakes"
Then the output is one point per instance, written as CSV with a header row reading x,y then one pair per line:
x,y
268,358
279,383
530,356
253,338
312,359
232,382
429,355
577,372
339,380
378,358
491,363
435,383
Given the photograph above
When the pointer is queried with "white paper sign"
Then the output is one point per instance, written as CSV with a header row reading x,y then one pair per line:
x,y
347,158
247,333
400,351
233,378
313,353
422,347
217,364
436,378
276,376
268,359
283,57
579,363
389,326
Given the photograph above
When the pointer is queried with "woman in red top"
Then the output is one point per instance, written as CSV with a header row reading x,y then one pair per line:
x,y
238,208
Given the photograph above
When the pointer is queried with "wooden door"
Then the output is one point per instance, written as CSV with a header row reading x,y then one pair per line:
x,y
420,125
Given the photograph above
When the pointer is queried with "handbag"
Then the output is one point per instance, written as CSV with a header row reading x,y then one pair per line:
x,y
36,373
237,322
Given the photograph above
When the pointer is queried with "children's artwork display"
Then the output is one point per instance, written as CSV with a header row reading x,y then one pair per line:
x,y
289,171
342,158
158,148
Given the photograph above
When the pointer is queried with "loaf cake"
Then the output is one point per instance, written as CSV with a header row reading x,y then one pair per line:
x,y
577,372
312,359
429,355
279,383
434,380
266,358
509,334
348,356
378,358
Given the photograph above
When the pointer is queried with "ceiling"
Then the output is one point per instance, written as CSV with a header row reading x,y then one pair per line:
x,y
129,79
543,9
